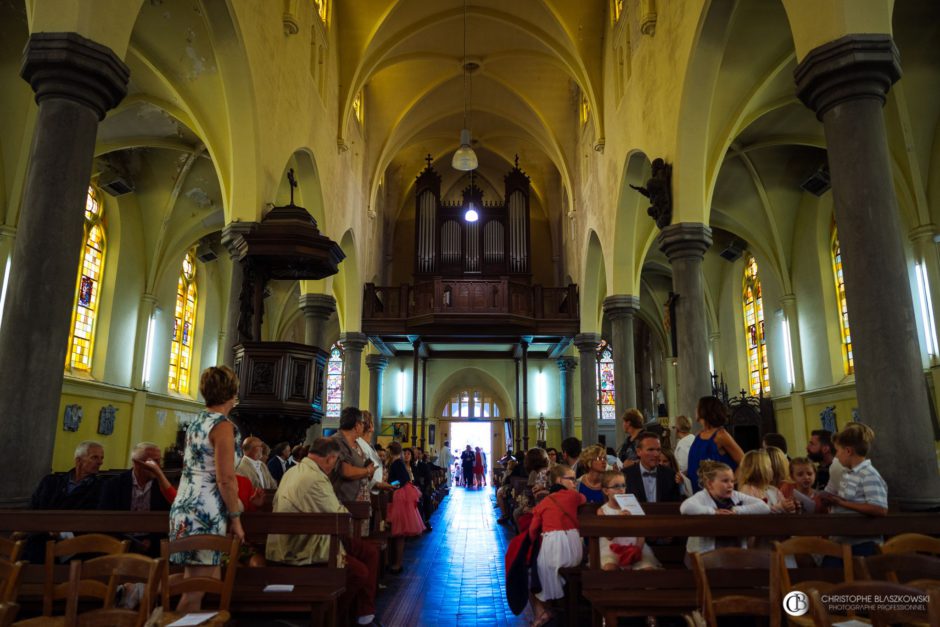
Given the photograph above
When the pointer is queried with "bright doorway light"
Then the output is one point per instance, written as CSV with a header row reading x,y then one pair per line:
x,y
475,434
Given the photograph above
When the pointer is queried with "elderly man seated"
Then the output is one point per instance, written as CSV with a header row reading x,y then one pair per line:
x,y
253,467
78,488
307,489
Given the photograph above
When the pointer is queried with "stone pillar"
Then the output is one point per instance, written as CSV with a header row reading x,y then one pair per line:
x,y
685,245
234,241
925,251
714,340
76,81
790,314
317,310
586,344
846,82
518,434
525,394
424,400
140,378
416,346
620,309
353,343
376,365
566,366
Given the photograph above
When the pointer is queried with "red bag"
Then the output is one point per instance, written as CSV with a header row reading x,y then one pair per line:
x,y
627,554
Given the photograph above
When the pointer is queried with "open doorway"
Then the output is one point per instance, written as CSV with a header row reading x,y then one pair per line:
x,y
475,434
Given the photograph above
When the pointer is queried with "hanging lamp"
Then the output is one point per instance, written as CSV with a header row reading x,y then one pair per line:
x,y
465,159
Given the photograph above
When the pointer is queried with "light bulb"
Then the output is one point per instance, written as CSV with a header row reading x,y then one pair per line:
x,y
471,215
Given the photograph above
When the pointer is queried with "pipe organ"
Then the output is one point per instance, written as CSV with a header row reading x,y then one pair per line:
x,y
496,244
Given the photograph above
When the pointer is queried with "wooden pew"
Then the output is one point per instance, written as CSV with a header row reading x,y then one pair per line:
x,y
316,588
672,591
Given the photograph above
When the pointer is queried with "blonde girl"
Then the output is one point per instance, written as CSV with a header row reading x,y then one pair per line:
x,y
615,483
755,475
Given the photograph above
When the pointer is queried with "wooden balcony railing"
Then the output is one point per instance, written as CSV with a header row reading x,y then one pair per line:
x,y
470,297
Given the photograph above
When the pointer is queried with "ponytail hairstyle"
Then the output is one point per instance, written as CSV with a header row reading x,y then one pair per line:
x,y
708,470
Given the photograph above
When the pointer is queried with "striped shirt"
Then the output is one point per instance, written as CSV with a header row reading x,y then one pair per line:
x,y
861,484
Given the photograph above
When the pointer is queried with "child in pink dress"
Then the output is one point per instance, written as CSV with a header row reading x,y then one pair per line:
x,y
403,514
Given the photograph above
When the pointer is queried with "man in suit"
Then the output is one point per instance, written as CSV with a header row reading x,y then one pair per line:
x,y
647,480
277,463
252,467
137,490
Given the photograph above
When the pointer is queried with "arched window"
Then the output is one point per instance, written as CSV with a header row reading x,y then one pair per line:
x,y
758,374
184,327
334,381
357,108
320,6
87,296
848,361
606,387
471,403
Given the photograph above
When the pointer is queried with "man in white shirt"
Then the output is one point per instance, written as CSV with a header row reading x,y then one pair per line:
x,y
252,467
684,439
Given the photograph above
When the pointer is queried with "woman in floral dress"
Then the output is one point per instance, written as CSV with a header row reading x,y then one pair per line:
x,y
207,499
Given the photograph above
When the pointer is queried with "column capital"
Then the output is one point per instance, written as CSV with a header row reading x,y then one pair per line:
x,y
685,240
354,341
923,233
319,306
148,299
788,299
376,363
71,67
7,232
587,341
621,306
566,364
849,68
233,238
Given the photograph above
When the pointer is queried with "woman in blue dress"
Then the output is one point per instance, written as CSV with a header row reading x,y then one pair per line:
x,y
713,441
207,499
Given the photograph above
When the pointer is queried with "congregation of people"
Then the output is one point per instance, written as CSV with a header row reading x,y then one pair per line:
x,y
225,474
705,473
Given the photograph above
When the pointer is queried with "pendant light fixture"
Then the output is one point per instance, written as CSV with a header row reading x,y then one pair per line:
x,y
465,159
471,215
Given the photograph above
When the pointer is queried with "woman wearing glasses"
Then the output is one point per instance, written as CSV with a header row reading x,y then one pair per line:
x,y
556,518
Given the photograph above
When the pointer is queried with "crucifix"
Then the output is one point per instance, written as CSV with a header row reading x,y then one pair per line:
x,y
429,159
293,184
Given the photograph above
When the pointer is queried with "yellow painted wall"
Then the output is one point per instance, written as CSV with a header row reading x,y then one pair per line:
x,y
115,445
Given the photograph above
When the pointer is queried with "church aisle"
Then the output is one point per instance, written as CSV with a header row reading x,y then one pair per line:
x,y
454,574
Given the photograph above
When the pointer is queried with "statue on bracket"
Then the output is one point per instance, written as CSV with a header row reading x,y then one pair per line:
x,y
72,418
106,420
659,191
828,418
541,432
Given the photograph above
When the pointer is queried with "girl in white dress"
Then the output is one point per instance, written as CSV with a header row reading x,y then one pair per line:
x,y
613,483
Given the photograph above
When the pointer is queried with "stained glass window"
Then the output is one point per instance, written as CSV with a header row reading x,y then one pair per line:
x,y
606,388
334,381
85,312
618,10
357,107
758,374
584,110
321,8
184,327
848,361
471,403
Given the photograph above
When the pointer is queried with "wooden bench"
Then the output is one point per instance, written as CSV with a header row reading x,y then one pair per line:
x,y
672,591
316,588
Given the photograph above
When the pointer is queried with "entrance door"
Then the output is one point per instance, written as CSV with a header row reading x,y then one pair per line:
x,y
475,434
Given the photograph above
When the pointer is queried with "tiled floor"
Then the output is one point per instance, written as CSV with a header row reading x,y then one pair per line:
x,y
453,575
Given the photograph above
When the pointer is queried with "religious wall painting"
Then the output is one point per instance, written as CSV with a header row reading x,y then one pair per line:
x,y
828,418
72,419
106,418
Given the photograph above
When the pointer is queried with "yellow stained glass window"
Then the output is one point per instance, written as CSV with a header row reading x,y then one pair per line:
x,y
321,8
87,292
184,327
357,107
848,361
758,373
584,110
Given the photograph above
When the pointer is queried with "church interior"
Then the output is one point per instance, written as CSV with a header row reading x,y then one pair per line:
x,y
535,215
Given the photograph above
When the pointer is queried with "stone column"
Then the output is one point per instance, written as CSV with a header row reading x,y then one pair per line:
x,y
416,346
685,245
620,309
317,310
140,378
525,394
925,251
76,82
353,343
424,400
714,340
788,302
518,429
376,365
234,241
566,366
586,344
846,82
